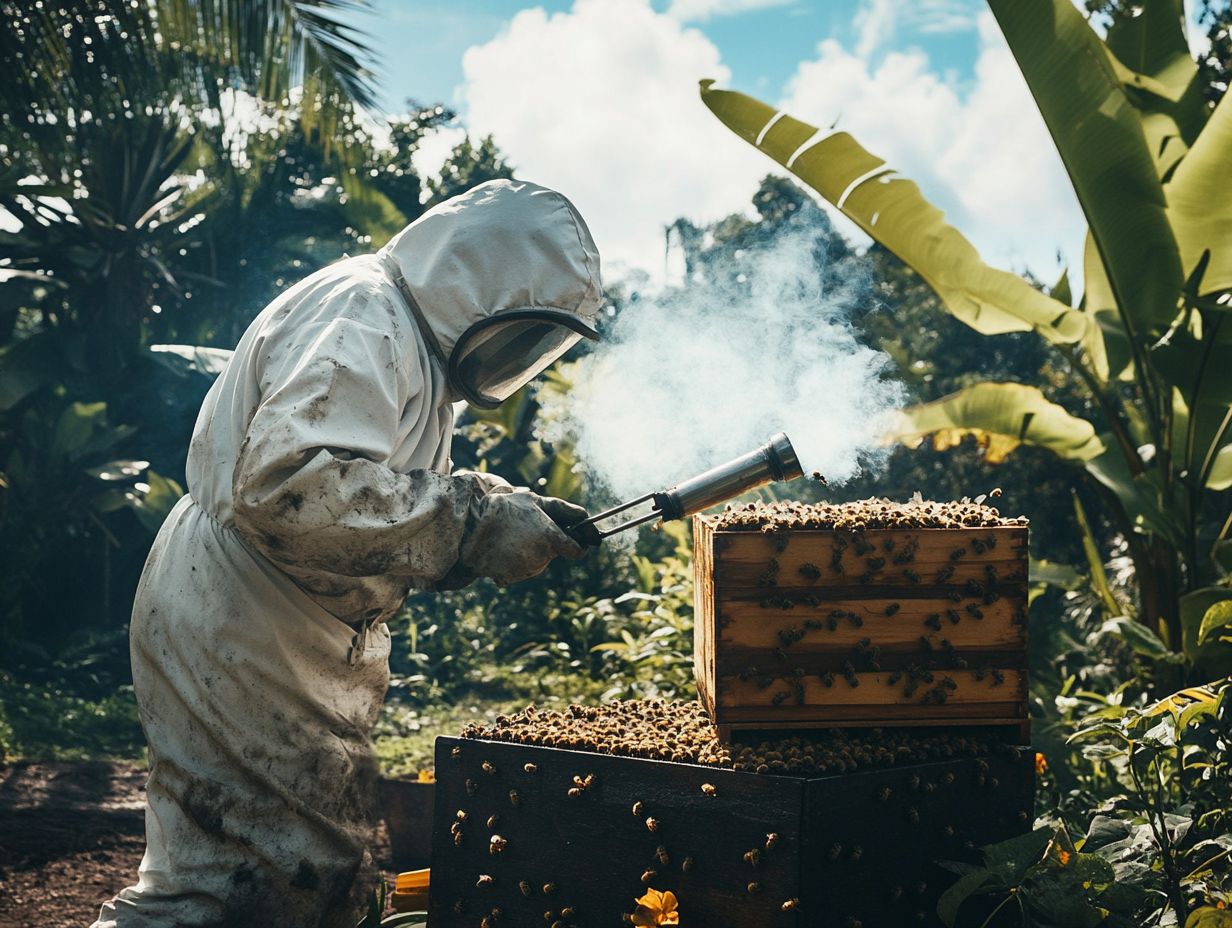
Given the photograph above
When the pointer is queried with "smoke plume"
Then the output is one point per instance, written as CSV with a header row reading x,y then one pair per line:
x,y
707,372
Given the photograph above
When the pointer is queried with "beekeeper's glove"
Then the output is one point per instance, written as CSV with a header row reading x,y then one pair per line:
x,y
515,535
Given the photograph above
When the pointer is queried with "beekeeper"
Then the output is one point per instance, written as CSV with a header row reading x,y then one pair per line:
x,y
319,493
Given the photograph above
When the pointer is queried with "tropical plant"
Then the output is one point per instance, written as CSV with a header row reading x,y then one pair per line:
x,y
1149,340
1154,801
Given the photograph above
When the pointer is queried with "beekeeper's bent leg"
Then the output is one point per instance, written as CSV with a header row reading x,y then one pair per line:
x,y
257,706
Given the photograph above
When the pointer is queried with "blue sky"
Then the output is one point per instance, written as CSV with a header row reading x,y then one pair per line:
x,y
420,44
599,99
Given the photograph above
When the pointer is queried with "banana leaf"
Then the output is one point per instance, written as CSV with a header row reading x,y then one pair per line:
x,y
892,211
1200,203
1150,54
1105,151
1000,416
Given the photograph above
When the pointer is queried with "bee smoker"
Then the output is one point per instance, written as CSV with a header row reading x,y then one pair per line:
x,y
775,460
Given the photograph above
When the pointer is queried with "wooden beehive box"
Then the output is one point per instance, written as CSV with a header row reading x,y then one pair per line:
x,y
858,849
818,628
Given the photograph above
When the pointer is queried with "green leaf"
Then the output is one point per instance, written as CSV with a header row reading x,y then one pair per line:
x,y
1012,858
75,428
1212,658
1220,477
1208,916
962,889
892,210
1200,202
1139,638
1062,576
1217,618
1101,141
1001,416
1095,563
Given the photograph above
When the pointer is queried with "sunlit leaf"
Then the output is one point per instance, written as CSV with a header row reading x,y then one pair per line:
x,y
1000,416
892,210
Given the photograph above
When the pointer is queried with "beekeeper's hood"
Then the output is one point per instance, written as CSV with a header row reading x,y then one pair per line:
x,y
503,280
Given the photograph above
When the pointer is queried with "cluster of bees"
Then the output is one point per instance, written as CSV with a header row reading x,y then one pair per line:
x,y
683,733
864,514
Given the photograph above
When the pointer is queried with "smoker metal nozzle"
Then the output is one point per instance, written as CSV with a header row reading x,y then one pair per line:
x,y
773,461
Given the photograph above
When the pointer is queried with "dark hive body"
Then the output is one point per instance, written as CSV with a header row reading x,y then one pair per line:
x,y
837,828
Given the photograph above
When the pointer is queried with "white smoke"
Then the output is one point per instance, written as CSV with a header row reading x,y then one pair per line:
x,y
706,373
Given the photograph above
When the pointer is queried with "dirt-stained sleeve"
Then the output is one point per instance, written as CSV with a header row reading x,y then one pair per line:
x,y
312,486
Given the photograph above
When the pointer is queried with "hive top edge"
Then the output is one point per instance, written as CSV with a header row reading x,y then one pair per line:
x,y
872,513
681,732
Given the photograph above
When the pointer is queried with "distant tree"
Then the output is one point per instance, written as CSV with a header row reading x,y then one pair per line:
x,y
467,166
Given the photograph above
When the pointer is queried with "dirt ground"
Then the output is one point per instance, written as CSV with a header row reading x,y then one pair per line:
x,y
71,836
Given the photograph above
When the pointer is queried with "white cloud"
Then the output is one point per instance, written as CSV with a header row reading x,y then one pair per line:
x,y
601,103
878,21
702,10
981,152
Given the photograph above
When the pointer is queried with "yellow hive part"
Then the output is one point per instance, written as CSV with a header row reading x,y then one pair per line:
x,y
411,880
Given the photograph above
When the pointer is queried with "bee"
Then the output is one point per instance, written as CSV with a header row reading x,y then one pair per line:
x,y
687,864
471,787
947,831
780,697
855,620
975,611
896,893
484,880
648,875
948,683
883,794
991,541
835,851
991,597
530,768
857,852
888,545
754,888
979,546
810,571
489,769
661,855
913,815
958,553
574,792
892,679
813,601
912,576
752,857
458,839
997,677
953,616
455,828
948,779
954,597
568,912
497,844
892,609
780,654
926,643
549,888
637,809
771,840
832,622
652,824
921,888
456,754
709,789
460,906
515,800
790,905
945,573
526,888
875,563
814,624
460,815
827,678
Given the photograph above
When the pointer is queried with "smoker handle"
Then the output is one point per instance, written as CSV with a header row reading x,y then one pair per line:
x,y
584,533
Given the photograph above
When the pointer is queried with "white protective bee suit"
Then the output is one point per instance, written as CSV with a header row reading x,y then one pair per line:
x,y
320,492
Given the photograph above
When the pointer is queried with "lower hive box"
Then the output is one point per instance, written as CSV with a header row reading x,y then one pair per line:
x,y
832,830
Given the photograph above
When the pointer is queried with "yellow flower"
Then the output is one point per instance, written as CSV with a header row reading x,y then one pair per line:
x,y
427,776
656,908
1041,764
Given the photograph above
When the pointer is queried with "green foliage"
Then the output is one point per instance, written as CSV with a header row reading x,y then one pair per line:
x,y
48,723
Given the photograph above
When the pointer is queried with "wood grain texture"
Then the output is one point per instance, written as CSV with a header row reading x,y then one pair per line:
x,y
811,603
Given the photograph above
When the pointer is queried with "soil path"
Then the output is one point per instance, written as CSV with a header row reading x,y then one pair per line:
x,y
71,836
